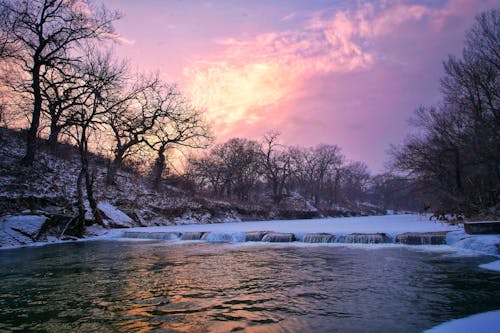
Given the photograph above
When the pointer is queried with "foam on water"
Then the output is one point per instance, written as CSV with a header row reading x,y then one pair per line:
x,y
221,237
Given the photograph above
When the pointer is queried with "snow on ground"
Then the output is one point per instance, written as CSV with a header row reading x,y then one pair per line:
x,y
116,216
15,230
494,266
487,322
392,225
489,244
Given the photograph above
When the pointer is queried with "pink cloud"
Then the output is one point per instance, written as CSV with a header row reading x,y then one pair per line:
x,y
351,77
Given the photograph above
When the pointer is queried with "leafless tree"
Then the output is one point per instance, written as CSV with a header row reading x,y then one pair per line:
x,y
101,76
355,181
455,152
138,108
231,169
277,165
62,93
314,167
177,125
46,34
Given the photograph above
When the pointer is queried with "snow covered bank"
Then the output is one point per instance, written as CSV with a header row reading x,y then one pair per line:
x,y
487,322
488,244
391,225
405,229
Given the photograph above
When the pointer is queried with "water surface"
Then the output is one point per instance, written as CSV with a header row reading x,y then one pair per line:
x,y
111,286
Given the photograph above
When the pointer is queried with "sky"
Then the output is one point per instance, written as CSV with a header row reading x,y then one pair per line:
x,y
339,72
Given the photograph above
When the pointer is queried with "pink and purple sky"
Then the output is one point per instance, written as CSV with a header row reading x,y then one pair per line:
x,y
321,71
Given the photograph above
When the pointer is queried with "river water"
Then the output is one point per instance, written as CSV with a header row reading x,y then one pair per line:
x,y
154,286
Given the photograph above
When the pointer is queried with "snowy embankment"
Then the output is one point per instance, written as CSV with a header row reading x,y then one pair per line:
x,y
487,322
404,229
391,225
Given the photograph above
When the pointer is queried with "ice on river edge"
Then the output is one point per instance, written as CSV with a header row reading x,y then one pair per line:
x,y
487,322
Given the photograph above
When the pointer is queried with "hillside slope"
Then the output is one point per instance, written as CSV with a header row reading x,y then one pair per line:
x,y
48,189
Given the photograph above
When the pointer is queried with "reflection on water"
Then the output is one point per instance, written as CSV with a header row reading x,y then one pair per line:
x,y
200,287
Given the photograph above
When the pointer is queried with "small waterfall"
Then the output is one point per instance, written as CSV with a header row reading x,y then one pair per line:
x,y
192,235
220,237
364,238
152,235
255,236
278,237
319,238
422,238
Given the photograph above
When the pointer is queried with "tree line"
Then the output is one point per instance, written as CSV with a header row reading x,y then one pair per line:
x,y
268,171
453,158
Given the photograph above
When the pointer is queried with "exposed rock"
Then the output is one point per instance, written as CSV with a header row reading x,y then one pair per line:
x,y
255,236
319,238
278,237
192,235
365,238
422,238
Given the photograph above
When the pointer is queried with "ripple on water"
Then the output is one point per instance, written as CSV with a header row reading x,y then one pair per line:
x,y
199,287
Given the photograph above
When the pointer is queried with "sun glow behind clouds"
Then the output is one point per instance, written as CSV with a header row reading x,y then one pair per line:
x,y
251,74
230,91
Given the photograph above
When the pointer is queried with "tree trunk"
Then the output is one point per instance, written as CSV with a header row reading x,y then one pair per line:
x,y
89,184
35,117
89,180
113,168
458,173
81,207
159,166
54,134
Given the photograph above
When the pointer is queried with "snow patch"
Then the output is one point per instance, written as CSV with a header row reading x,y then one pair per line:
x,y
494,266
22,229
390,225
487,244
117,217
487,322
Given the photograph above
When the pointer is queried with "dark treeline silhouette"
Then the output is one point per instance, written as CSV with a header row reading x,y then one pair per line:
x,y
454,156
268,171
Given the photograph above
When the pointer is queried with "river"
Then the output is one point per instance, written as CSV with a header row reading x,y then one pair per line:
x,y
158,286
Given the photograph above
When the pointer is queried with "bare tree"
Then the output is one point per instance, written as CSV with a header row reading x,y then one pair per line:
x,y
277,165
314,167
138,108
45,34
355,181
62,93
101,76
455,153
177,125
232,169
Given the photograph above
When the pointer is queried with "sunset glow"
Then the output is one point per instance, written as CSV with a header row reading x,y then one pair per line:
x,y
347,73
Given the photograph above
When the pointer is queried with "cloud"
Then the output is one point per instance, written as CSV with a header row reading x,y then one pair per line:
x,y
122,39
253,75
288,17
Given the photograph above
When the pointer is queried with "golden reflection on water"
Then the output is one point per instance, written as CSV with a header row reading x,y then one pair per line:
x,y
200,287
186,299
